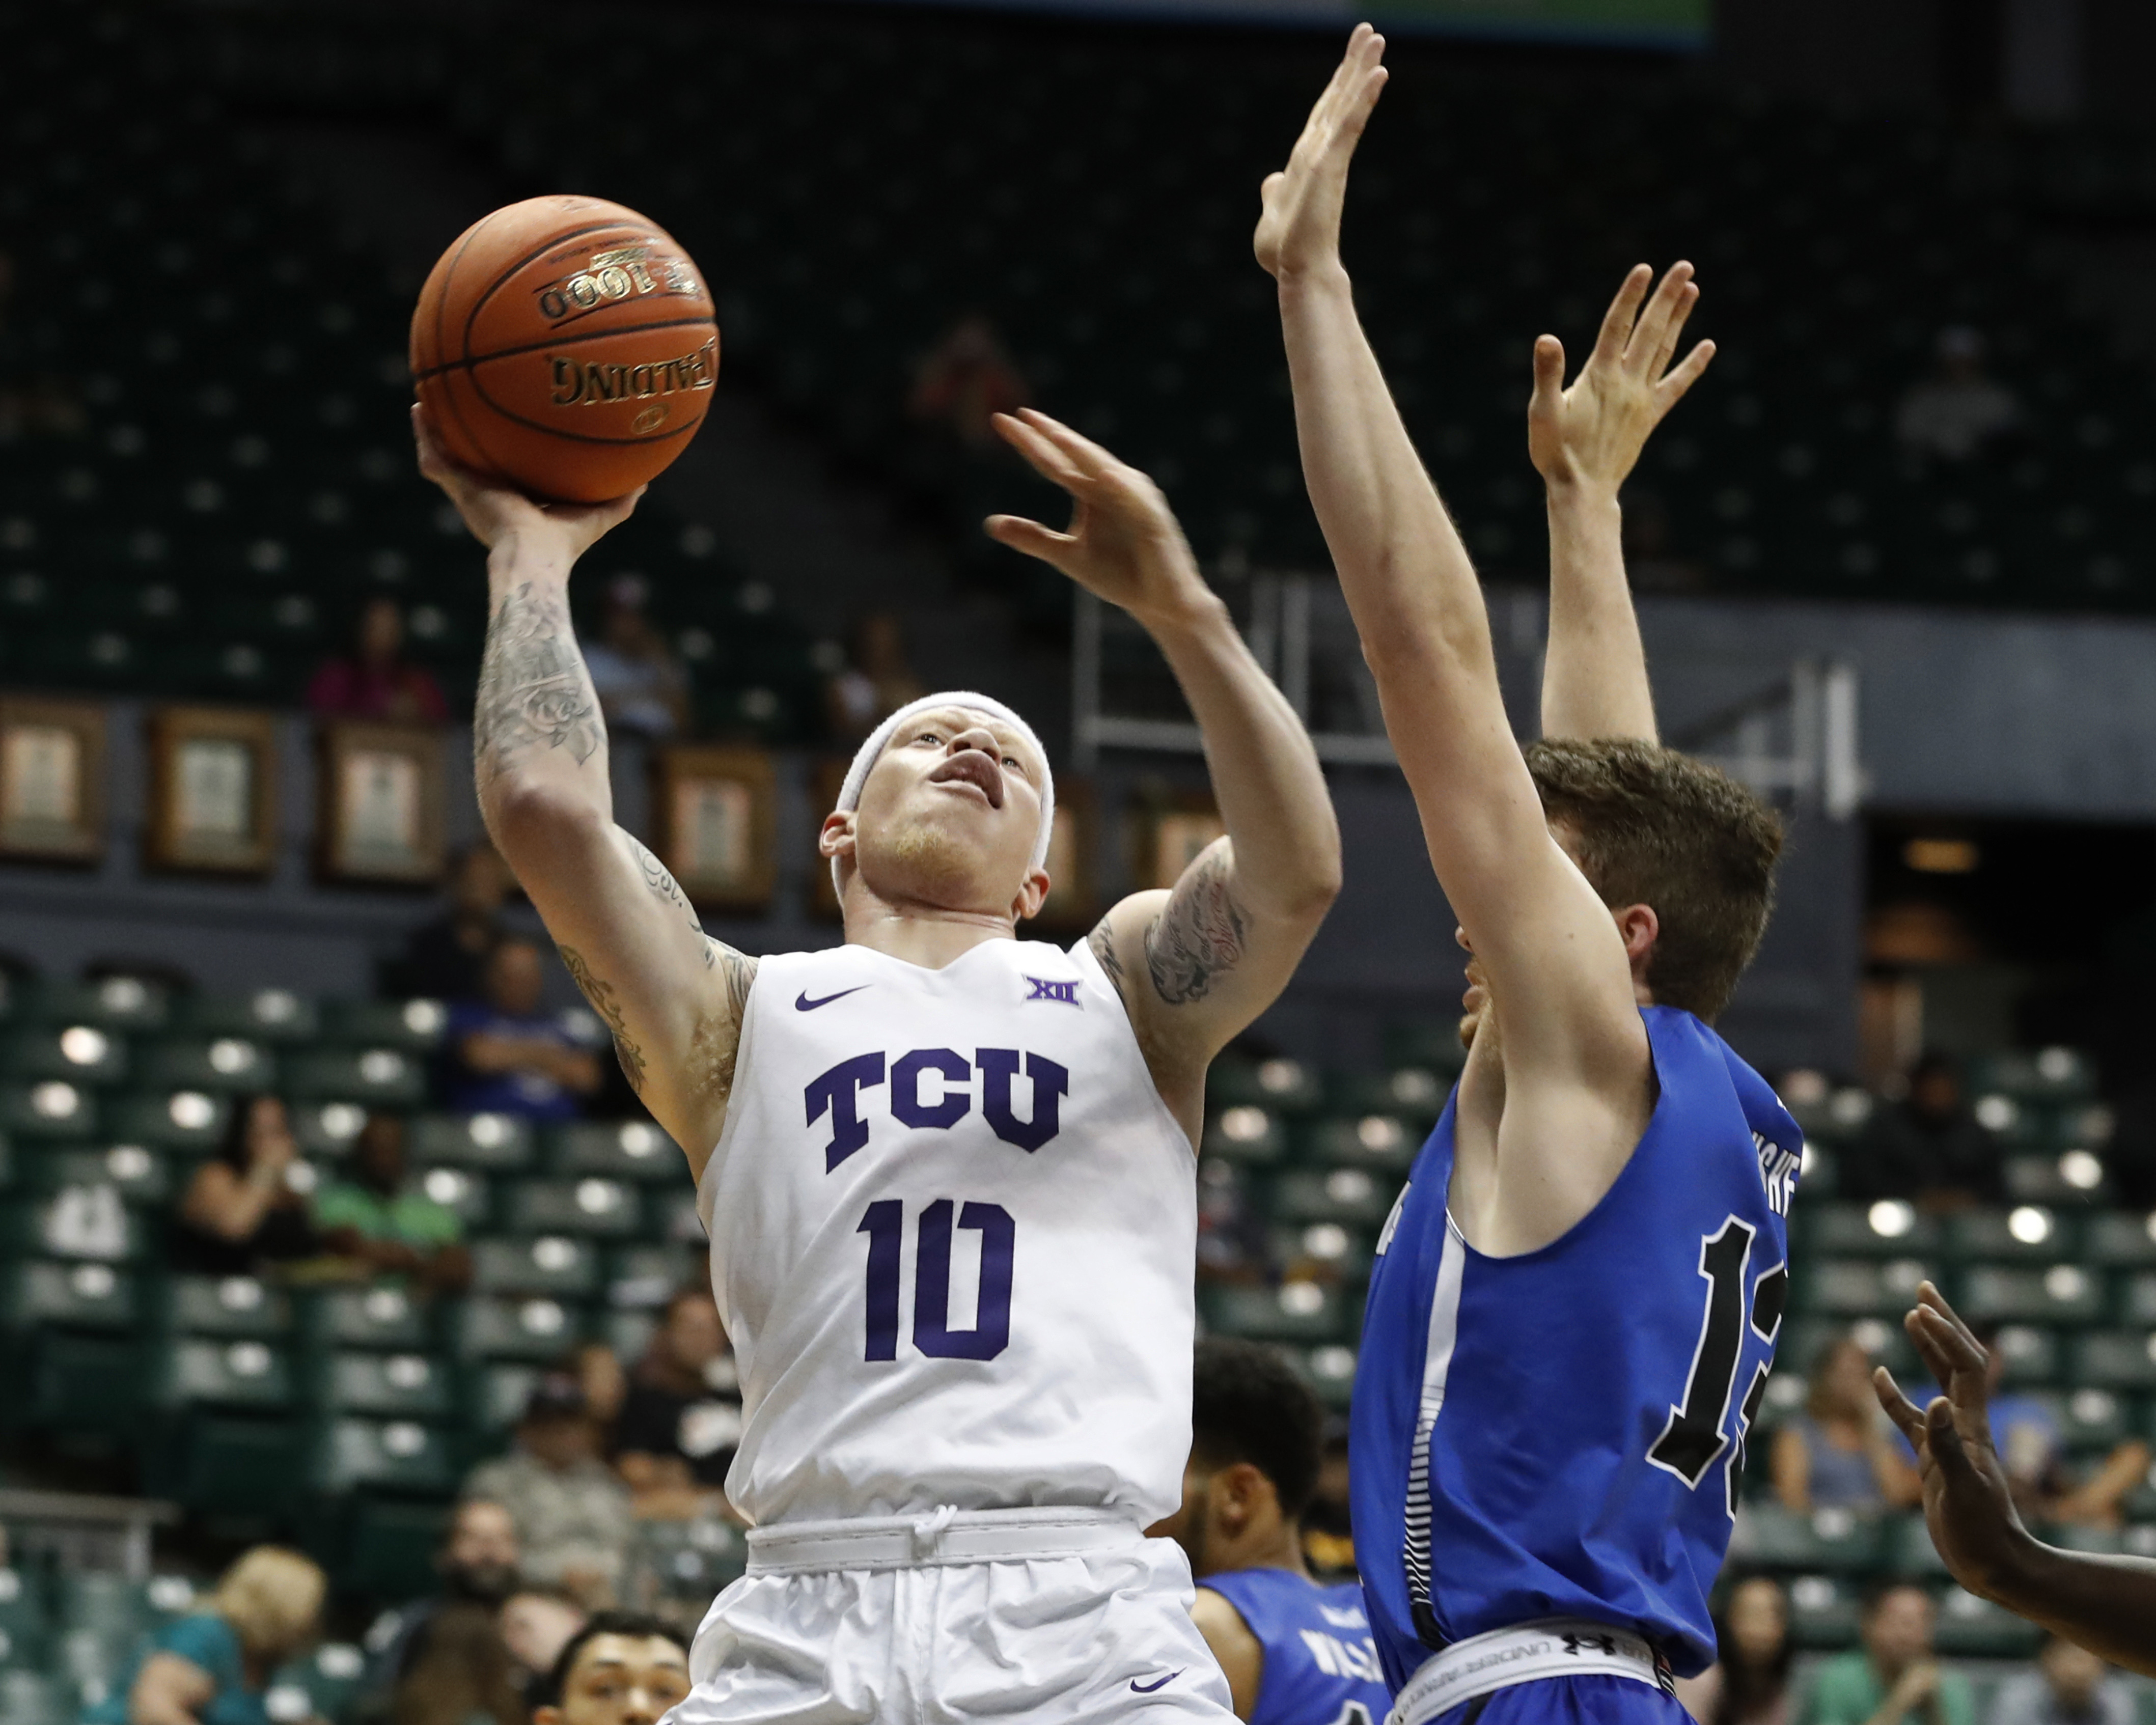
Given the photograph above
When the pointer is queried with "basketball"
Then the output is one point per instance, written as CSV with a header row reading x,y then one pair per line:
x,y
567,345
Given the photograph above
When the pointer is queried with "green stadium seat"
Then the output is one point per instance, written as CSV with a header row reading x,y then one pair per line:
x,y
2122,1360
325,1683
1827,1541
467,1195
1346,1195
2053,1075
398,1455
2029,1233
1823,1612
1246,1132
35,1697
1432,1044
233,1305
2122,1238
80,1054
631,1150
669,1213
1327,1250
88,1222
535,1329
126,1004
1294,1311
73,1295
1907,1549
1887,1229
492,1144
495,1395
2065,1294
1857,1287
326,1130
415,1026
2033,1356
398,1386
388,1547
199,1371
2090,1419
50,1108
1414,1093
1330,1370
190,1120
559,1265
607,1210
379,1077
1383,1143
1282,1086
87,1382
687,1563
378,1317
276,1015
1969,1627
2074,1179
229,1462
649,1276
140,1176
23,1625
236,1064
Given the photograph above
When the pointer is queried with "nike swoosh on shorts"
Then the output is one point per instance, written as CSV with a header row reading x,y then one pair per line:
x,y
803,1004
1157,1683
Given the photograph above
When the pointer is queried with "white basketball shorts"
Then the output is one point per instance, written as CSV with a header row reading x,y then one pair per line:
x,y
1050,1615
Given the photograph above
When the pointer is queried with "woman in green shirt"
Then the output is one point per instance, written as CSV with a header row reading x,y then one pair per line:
x,y
1894,1680
212,1667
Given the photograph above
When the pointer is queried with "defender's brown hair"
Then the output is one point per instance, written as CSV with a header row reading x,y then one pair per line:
x,y
1654,827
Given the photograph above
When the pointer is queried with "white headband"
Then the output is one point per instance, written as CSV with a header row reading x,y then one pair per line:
x,y
857,775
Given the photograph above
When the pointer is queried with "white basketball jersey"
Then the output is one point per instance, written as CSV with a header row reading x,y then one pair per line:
x,y
954,1236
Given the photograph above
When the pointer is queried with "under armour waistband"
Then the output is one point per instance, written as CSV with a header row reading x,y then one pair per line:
x,y
940,1536
1556,1647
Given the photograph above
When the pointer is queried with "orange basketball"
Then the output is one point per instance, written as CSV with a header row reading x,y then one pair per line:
x,y
567,345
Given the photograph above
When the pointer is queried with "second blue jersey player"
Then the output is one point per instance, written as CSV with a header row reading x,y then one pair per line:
x,y
1576,1300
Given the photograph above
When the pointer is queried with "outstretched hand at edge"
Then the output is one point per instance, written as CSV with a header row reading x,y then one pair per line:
x,y
496,511
1299,229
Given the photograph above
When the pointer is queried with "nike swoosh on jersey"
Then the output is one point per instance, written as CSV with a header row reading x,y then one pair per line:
x,y
803,1004
1157,1683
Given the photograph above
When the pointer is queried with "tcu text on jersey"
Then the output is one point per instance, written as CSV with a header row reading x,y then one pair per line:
x,y
927,1089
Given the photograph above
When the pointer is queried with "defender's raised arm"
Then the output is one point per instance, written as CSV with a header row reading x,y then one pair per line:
x,y
1196,964
671,996
1584,441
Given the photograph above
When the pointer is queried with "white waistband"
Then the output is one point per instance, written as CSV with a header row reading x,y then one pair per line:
x,y
942,1536
1556,1647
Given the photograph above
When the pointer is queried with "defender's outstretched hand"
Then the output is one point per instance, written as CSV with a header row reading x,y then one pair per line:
x,y
1299,231
1123,545
1592,433
495,511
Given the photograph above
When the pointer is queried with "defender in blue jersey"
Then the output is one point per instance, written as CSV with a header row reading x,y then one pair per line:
x,y
1576,1300
1294,1652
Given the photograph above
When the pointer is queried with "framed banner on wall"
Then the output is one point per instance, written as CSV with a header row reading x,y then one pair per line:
x,y
1167,838
380,803
213,790
52,780
715,824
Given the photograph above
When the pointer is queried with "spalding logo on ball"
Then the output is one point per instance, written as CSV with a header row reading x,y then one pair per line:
x,y
567,345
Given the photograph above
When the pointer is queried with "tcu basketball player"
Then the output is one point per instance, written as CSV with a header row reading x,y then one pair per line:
x,y
1575,1303
947,1174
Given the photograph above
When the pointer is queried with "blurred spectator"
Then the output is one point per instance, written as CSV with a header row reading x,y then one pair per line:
x,y
241,1210
382,1219
461,1675
505,1056
477,1564
1328,1545
604,1383
572,1516
2070,1685
1927,1147
446,959
1749,1684
640,685
1841,1451
536,1624
682,1420
965,380
375,681
877,680
1231,1232
1895,1676
213,1666
1955,412
621,1668
2032,1450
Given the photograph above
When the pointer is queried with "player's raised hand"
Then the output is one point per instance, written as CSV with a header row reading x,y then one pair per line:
x,y
1592,433
495,511
1968,1505
1299,230
1123,543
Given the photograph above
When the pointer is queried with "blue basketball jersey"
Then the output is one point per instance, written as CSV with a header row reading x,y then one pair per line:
x,y
1558,1434
1320,1663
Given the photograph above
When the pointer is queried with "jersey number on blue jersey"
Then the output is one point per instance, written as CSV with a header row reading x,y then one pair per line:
x,y
885,1224
1694,1436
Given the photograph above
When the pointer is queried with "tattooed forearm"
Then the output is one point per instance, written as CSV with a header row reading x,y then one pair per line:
x,y
601,995
666,888
1102,941
1199,938
533,689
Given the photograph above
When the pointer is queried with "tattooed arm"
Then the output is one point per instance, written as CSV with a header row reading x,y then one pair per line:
x,y
1196,964
671,996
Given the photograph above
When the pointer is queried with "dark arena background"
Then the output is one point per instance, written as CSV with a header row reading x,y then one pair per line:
x,y
1896,562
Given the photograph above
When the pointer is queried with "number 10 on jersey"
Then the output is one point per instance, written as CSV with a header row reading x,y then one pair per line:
x,y
885,1224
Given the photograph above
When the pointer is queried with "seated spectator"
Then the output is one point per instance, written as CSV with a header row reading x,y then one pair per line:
x,y
213,1666
621,1668
1959,410
461,1675
2032,1450
241,1212
573,1516
605,1385
681,1421
877,680
477,1564
536,1624
2070,1685
1927,1147
1893,1676
1841,1452
505,1056
375,681
1749,1684
380,1219
641,686
446,959
964,381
